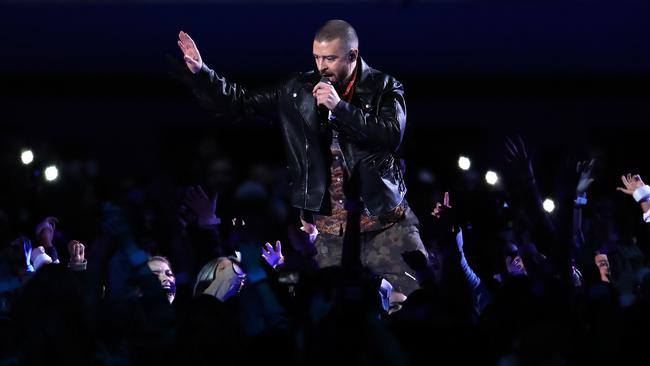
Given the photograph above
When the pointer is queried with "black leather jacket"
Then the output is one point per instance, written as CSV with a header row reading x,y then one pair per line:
x,y
370,130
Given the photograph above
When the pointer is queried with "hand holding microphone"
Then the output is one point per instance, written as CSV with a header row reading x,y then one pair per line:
x,y
325,94
325,80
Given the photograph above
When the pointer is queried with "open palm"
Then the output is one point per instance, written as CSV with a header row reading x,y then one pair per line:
x,y
631,183
191,53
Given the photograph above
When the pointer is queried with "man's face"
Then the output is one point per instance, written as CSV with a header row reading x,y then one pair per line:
x,y
165,276
333,60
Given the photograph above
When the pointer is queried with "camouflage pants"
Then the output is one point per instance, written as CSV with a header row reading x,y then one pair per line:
x,y
381,251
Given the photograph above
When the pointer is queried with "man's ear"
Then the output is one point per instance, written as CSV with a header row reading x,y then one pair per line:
x,y
353,54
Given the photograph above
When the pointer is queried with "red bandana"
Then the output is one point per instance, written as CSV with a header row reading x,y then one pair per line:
x,y
349,90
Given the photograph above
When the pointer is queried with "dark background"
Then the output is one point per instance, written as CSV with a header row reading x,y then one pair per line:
x,y
91,87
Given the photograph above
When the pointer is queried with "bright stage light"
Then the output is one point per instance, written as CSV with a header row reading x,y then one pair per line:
x,y
27,156
464,163
51,173
491,177
548,205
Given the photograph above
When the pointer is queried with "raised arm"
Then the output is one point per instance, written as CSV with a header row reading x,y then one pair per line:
x,y
226,96
191,53
634,186
521,181
585,172
443,212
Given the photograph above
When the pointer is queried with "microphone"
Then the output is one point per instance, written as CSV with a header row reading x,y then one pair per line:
x,y
322,110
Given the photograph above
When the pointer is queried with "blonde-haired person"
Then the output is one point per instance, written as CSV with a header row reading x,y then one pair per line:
x,y
221,277
224,277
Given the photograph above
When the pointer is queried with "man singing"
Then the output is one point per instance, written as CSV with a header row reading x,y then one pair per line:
x,y
341,125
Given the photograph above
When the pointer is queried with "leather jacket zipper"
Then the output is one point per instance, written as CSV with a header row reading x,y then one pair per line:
x,y
306,157
306,165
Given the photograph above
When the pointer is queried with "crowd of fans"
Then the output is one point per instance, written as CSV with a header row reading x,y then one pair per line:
x,y
160,279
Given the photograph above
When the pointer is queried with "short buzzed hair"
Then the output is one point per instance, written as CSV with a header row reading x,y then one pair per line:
x,y
338,29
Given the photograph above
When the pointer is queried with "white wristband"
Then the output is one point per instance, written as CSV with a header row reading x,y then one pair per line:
x,y
641,193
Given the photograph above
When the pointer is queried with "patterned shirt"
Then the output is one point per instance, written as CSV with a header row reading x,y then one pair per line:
x,y
334,224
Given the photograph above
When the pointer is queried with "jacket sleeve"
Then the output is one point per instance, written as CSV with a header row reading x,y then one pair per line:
x,y
229,97
385,127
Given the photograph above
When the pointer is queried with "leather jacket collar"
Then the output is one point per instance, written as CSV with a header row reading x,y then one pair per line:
x,y
365,87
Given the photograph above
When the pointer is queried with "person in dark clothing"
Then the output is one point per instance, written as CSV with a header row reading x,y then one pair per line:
x,y
342,126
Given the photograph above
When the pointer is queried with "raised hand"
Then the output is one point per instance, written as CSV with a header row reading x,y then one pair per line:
x,y
445,214
515,265
273,256
191,53
441,208
631,183
45,230
518,158
202,205
585,170
576,276
76,250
